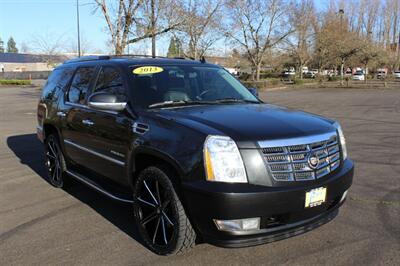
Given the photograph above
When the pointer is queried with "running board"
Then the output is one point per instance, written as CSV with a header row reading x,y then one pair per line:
x,y
98,187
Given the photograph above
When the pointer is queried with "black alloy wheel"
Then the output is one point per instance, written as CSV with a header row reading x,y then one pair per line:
x,y
159,214
54,162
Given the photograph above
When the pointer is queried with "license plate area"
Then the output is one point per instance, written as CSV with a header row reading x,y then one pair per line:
x,y
315,197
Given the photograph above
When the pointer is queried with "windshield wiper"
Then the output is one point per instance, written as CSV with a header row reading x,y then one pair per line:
x,y
177,103
235,100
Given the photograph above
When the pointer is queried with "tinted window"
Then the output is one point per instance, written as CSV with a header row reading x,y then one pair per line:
x,y
187,83
110,81
58,79
80,85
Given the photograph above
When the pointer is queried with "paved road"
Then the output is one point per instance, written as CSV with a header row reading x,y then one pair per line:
x,y
41,225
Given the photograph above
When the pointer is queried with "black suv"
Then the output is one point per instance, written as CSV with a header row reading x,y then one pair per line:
x,y
197,154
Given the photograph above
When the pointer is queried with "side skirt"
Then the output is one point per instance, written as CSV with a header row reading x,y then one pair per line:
x,y
99,188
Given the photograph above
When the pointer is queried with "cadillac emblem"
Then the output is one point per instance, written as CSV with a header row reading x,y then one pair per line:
x,y
313,161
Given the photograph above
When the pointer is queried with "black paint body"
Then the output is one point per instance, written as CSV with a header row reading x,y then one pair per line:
x,y
175,136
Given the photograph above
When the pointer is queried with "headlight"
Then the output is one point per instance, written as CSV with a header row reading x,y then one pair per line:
x,y
342,140
222,160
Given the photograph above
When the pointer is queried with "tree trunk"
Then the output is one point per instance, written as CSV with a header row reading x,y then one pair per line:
x,y
365,72
301,71
342,72
258,70
119,49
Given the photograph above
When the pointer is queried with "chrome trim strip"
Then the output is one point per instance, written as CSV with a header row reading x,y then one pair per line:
x,y
88,108
296,141
110,106
95,153
137,127
95,187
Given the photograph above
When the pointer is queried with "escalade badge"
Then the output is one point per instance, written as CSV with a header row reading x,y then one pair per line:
x,y
313,161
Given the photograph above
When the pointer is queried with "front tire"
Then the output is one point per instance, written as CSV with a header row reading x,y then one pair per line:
x,y
55,162
159,214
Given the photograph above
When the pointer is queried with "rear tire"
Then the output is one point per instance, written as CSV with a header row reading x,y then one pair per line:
x,y
159,214
54,162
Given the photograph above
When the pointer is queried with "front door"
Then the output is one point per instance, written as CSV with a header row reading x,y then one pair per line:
x,y
111,132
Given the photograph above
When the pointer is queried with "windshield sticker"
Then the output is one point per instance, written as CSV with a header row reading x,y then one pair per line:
x,y
144,70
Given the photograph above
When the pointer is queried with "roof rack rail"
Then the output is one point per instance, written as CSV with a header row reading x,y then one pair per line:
x,y
150,56
139,55
87,58
107,57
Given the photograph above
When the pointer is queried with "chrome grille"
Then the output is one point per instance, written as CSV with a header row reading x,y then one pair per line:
x,y
292,162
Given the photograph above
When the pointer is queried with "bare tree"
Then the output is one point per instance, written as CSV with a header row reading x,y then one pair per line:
x,y
158,17
201,28
257,25
85,44
302,18
134,20
368,53
48,43
24,48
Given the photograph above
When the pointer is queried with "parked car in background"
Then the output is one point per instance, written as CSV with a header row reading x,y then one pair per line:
x,y
381,73
309,75
359,75
396,74
231,70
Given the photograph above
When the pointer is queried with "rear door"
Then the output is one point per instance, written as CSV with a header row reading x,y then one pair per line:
x,y
72,112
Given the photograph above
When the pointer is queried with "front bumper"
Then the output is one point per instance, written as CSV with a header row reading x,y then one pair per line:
x,y
281,209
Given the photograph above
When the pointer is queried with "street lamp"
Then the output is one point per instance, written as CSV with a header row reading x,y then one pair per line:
x,y
77,22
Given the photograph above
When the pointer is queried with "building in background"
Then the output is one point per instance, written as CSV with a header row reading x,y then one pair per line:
x,y
14,62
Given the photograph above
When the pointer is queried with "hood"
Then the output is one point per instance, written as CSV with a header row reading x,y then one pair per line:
x,y
248,123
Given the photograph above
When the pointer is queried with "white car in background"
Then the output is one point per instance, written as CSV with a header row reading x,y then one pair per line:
x,y
359,75
396,74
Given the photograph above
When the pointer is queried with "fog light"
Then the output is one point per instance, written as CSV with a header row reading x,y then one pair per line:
x,y
238,225
343,196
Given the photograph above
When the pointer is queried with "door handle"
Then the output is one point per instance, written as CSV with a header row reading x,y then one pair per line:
x,y
88,122
61,114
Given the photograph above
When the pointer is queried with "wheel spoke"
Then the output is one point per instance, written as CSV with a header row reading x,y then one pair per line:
x,y
149,218
158,193
52,149
155,231
151,194
166,218
163,230
51,156
146,202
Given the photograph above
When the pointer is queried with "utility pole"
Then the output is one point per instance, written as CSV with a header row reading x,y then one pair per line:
x,y
153,28
77,22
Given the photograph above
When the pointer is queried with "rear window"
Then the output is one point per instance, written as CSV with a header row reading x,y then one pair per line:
x,y
57,80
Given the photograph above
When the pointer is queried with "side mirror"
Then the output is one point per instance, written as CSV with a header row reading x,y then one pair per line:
x,y
254,91
107,102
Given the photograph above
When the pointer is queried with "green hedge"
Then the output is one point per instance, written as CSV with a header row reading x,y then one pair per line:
x,y
14,82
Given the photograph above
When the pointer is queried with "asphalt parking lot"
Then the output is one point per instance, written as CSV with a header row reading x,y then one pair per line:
x,y
41,225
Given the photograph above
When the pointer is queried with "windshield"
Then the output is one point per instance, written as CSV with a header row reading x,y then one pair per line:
x,y
186,84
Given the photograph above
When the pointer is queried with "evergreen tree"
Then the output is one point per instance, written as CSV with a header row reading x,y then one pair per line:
x,y
1,46
174,48
11,46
